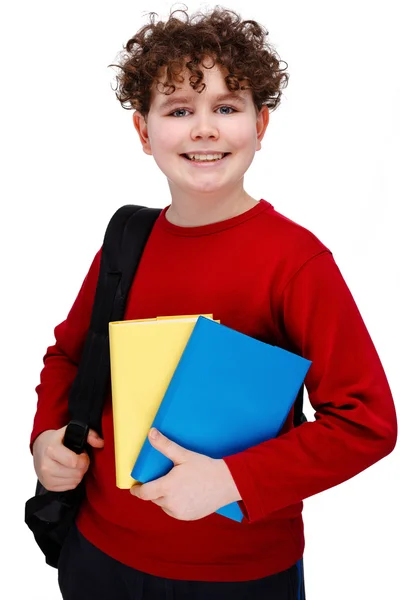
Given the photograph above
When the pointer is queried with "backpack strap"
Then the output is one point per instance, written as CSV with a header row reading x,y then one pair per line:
x,y
124,242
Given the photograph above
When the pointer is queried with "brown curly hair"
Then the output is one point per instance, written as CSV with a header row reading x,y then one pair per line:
x,y
169,47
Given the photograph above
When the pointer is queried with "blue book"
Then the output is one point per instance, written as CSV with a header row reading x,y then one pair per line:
x,y
229,392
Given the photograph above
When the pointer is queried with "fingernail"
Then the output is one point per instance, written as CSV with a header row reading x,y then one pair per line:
x,y
153,433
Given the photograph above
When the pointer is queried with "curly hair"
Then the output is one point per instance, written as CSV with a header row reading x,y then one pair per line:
x,y
169,47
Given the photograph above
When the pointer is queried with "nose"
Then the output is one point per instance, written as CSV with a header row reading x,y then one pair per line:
x,y
204,127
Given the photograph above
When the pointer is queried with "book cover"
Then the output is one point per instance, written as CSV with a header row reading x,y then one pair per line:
x,y
143,357
229,392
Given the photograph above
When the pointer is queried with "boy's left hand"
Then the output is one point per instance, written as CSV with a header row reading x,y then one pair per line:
x,y
195,487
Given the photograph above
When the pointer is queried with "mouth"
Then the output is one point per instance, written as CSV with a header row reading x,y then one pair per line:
x,y
206,158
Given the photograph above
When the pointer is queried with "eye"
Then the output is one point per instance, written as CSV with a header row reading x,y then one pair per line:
x,y
177,111
227,108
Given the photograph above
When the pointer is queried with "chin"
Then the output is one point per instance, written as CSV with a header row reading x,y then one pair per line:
x,y
206,192
207,187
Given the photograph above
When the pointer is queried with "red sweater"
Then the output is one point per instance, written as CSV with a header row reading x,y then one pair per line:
x,y
266,276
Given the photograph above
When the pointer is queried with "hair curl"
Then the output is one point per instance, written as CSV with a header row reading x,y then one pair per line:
x,y
174,45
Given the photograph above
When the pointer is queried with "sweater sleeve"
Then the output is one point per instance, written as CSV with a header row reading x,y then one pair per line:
x,y
61,360
355,420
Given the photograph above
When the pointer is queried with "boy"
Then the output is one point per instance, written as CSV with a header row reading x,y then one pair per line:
x,y
202,90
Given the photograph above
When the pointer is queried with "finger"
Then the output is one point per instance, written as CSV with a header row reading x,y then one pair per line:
x,y
56,471
149,491
62,486
168,512
94,439
160,502
170,449
67,458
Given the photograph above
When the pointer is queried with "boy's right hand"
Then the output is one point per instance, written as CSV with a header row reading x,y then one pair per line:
x,y
58,468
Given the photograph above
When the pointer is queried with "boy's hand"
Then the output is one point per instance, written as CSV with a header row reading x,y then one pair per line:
x,y
58,468
195,487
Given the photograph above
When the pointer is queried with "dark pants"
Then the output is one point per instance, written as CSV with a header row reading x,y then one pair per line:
x,y
86,573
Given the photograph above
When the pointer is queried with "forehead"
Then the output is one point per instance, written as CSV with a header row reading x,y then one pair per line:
x,y
215,88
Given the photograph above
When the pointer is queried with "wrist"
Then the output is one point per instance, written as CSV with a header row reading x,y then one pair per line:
x,y
231,492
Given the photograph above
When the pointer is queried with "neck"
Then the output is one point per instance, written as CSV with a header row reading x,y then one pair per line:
x,y
193,211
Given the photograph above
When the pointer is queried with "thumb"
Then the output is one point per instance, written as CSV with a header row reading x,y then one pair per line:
x,y
94,439
170,449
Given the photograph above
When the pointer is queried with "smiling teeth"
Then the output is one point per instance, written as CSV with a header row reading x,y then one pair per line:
x,y
205,157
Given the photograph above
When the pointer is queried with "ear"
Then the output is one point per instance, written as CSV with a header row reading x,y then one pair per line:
x,y
261,124
140,125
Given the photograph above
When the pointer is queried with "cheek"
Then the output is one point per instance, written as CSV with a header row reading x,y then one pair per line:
x,y
243,135
164,145
166,136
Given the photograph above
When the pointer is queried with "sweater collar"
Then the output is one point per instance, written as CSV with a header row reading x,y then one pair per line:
x,y
211,228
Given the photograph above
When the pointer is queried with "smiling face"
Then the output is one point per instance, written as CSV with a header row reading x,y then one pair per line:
x,y
203,142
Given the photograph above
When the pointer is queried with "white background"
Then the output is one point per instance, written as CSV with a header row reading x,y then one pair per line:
x,y
70,158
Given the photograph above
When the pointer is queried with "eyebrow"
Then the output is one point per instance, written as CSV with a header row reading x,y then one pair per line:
x,y
176,100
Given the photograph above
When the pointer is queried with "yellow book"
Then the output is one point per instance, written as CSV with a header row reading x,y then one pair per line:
x,y
143,356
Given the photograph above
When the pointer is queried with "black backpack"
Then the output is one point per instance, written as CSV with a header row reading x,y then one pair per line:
x,y
49,515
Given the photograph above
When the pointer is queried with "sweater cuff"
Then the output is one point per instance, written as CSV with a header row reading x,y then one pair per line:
x,y
250,504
